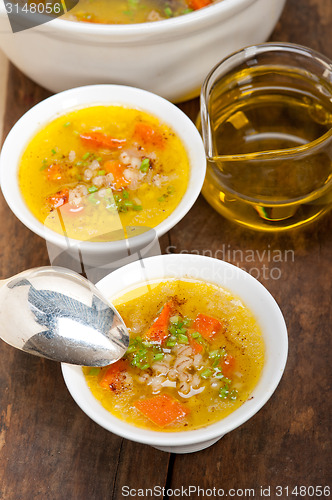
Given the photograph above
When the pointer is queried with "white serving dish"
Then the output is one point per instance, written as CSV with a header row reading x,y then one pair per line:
x,y
170,58
254,296
95,254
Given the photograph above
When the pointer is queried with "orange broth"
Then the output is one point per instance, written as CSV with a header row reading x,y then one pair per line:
x,y
196,353
95,172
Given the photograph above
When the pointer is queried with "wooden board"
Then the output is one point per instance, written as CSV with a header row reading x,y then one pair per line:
x,y
49,449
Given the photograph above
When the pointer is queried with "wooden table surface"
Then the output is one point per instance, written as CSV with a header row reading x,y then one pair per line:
x,y
49,449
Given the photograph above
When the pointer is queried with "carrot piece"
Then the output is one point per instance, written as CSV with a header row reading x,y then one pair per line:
x,y
199,4
54,173
149,135
162,410
112,377
100,140
158,331
196,346
228,365
116,169
206,325
58,199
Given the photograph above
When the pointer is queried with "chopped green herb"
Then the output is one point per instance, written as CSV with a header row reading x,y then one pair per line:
x,y
128,203
182,331
196,335
183,339
174,319
159,356
214,354
233,395
125,194
170,343
53,151
101,172
162,198
223,392
168,11
85,156
66,124
142,352
145,367
146,343
137,207
172,330
92,189
216,362
134,361
145,165
206,373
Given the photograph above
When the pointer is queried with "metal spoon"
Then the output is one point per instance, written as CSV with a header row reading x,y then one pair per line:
x,y
57,314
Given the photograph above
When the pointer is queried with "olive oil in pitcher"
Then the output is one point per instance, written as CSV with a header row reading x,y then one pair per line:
x,y
269,147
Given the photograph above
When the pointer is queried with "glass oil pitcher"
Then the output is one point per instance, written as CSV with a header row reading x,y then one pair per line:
x,y
266,121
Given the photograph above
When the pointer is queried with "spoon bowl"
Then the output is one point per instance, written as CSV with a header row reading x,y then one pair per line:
x,y
57,314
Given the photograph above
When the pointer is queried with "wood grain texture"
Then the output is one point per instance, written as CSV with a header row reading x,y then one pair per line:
x,y
49,449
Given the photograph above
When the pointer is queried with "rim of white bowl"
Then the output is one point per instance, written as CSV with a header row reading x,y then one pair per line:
x,y
59,104
248,289
190,20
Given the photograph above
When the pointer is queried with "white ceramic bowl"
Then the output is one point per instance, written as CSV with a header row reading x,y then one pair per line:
x,y
99,254
170,58
241,284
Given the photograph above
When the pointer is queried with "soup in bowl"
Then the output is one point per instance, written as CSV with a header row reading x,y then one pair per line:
x,y
196,353
96,165
208,347
93,171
